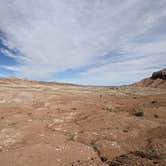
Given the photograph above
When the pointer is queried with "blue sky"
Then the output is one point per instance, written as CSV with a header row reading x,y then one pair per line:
x,y
97,42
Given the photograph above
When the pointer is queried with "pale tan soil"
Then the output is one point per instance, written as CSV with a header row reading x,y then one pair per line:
x,y
153,83
51,124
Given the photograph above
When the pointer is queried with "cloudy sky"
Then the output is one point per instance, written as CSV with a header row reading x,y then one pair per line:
x,y
99,42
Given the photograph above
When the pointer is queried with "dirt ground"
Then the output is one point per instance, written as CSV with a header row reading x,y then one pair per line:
x,y
53,124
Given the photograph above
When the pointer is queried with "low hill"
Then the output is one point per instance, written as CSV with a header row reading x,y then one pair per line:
x,y
157,80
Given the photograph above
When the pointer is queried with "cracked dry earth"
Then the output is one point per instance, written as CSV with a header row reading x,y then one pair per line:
x,y
52,124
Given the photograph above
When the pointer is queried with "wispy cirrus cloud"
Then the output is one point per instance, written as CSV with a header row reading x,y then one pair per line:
x,y
103,42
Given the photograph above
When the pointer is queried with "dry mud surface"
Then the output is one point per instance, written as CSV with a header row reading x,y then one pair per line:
x,y
51,124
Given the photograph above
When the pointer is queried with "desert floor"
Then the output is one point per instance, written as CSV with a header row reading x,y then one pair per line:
x,y
51,124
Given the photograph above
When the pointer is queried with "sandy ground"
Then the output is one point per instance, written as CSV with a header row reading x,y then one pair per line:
x,y
50,124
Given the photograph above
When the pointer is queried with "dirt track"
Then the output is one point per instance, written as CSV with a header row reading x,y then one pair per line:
x,y
49,124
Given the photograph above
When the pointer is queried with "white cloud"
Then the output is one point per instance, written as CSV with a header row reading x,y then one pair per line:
x,y
56,35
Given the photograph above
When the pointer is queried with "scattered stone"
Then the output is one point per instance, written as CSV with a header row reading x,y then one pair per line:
x,y
139,114
103,159
125,131
156,116
29,113
154,102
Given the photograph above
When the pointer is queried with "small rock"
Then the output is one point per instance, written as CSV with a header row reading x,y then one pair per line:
x,y
139,114
156,116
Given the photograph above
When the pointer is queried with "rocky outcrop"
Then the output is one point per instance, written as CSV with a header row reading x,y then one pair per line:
x,y
159,74
157,80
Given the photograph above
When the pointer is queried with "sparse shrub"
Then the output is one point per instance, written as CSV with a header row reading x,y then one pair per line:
x,y
110,109
150,154
71,136
95,147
